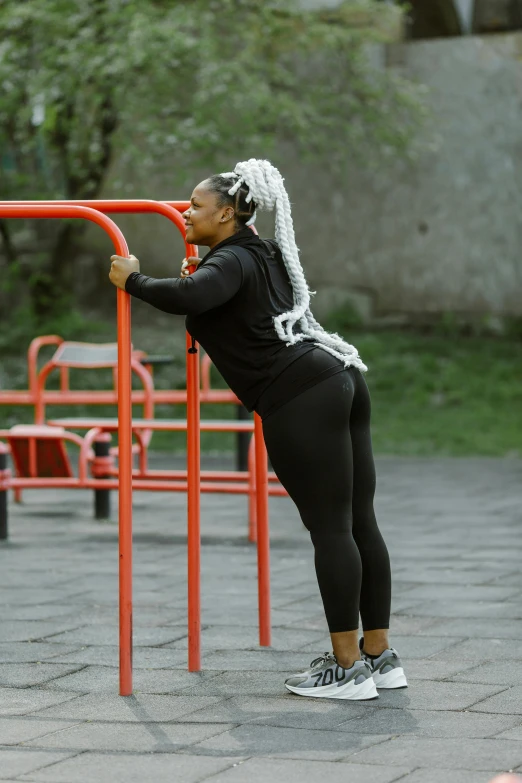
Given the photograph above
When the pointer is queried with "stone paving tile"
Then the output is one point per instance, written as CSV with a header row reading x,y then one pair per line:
x,y
443,576
32,652
447,753
514,733
36,612
16,730
28,630
296,771
143,657
248,683
425,775
477,628
508,702
129,737
462,592
106,679
508,674
432,695
430,669
24,675
467,609
473,650
14,762
428,723
22,701
108,635
259,740
287,711
132,768
255,660
232,637
28,596
143,707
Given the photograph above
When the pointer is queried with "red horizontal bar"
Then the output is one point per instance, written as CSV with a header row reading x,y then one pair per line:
x,y
159,425
138,484
109,397
211,475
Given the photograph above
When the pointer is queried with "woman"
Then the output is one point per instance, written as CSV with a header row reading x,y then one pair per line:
x,y
247,303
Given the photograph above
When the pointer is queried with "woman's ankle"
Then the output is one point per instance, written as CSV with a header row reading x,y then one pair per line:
x,y
375,642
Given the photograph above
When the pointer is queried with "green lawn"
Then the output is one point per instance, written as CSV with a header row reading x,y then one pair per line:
x,y
431,395
444,396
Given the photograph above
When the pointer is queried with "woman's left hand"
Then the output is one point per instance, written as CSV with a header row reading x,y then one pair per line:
x,y
121,268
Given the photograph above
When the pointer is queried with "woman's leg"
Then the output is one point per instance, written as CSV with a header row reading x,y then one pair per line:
x,y
320,447
309,444
375,600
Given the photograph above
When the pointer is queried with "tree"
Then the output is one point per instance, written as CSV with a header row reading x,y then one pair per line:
x,y
84,80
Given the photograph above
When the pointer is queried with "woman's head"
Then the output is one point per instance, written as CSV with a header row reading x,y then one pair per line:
x,y
223,204
214,213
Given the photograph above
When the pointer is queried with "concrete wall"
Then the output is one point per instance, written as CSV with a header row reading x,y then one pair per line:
x,y
444,233
412,239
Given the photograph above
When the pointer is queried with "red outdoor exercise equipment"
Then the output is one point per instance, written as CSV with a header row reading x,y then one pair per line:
x,y
125,428
124,417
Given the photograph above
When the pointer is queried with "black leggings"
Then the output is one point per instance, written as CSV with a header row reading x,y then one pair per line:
x,y
320,447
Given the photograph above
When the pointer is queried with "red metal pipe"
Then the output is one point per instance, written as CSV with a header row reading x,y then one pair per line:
x,y
110,397
263,536
252,511
194,511
48,211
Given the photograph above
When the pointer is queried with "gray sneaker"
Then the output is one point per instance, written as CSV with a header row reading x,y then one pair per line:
x,y
326,679
387,669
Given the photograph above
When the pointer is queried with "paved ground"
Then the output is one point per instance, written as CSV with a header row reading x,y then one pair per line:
x,y
453,528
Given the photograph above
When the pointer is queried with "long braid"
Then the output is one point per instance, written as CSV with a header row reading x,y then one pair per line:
x,y
267,190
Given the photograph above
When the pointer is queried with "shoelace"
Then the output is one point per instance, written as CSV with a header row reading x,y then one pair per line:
x,y
322,659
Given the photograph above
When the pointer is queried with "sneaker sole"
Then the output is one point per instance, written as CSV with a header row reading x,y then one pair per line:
x,y
365,690
395,678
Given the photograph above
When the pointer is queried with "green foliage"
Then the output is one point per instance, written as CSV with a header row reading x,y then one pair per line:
x,y
435,395
186,75
343,318
84,80
22,326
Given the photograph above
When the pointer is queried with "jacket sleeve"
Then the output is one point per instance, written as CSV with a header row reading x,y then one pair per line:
x,y
211,285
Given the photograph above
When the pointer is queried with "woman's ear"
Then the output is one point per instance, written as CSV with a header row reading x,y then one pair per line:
x,y
228,214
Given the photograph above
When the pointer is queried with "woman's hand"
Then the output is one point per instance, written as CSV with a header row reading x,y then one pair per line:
x,y
121,268
190,261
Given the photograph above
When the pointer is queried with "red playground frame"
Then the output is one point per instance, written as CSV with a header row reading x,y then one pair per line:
x,y
94,211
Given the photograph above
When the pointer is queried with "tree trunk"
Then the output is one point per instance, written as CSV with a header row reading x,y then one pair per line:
x,y
50,289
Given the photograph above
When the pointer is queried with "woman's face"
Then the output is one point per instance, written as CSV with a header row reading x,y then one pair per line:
x,y
204,220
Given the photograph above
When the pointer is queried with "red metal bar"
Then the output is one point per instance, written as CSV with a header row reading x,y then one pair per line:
x,y
110,397
252,511
194,511
32,356
159,425
124,414
263,536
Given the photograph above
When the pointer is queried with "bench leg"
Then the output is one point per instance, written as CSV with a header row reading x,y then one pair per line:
x,y
4,483
243,440
102,497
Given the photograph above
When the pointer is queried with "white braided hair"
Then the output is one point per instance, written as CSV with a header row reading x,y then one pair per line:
x,y
267,190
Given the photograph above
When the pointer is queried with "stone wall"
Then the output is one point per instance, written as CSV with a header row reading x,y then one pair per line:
x,y
413,239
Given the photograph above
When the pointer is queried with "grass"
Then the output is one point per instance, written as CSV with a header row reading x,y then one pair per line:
x,y
444,396
431,396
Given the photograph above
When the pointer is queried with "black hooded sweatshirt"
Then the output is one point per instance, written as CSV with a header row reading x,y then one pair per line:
x,y
230,302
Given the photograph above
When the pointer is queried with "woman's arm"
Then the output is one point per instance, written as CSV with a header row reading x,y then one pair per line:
x,y
211,285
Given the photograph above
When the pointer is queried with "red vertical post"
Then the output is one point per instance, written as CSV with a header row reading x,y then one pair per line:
x,y
193,503
66,210
263,535
125,490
